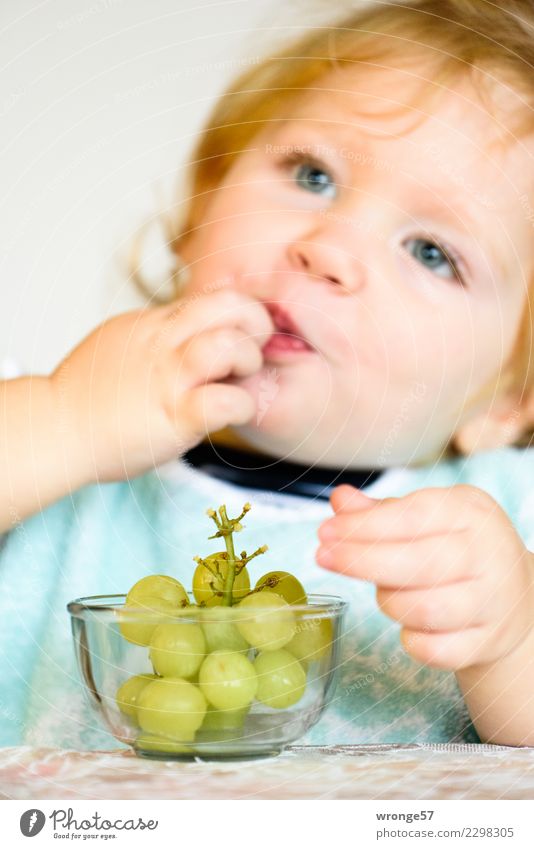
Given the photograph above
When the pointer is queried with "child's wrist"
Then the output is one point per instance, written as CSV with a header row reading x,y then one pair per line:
x,y
73,453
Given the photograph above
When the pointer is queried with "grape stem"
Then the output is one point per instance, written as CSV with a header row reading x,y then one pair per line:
x,y
213,570
229,527
270,583
247,558
226,528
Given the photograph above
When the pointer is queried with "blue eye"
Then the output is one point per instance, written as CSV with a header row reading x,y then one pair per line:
x,y
434,258
313,178
311,174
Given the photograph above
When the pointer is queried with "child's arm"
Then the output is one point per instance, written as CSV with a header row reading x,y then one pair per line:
x,y
140,390
34,470
451,568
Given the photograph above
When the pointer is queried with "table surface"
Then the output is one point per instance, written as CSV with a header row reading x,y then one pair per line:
x,y
301,772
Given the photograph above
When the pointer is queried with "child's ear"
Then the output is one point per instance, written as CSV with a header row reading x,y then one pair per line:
x,y
503,423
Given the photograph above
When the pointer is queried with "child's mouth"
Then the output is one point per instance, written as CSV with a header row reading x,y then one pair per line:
x,y
286,339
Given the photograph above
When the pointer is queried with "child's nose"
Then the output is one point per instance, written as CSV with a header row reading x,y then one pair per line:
x,y
325,260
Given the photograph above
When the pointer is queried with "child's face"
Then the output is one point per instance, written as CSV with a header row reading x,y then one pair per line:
x,y
399,249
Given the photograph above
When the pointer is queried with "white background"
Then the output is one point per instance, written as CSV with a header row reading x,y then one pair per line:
x,y
99,104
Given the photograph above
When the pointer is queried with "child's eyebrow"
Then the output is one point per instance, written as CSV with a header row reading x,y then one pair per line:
x,y
463,215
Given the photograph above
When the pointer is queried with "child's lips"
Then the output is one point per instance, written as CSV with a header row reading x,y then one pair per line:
x,y
287,338
282,343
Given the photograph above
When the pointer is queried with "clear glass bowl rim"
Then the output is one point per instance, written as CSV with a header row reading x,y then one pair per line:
x,y
107,606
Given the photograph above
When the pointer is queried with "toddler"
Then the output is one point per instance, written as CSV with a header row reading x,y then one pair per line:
x,y
353,298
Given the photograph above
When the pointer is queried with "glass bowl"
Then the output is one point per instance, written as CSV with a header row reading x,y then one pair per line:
x,y
204,709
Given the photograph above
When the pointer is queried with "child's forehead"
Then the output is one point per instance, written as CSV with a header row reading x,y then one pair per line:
x,y
386,104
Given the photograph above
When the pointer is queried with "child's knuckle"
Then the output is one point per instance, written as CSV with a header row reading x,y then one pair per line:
x,y
347,528
410,513
229,298
428,610
432,652
221,400
477,499
225,338
402,558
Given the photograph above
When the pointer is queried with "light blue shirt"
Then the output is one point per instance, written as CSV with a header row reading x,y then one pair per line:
x,y
105,537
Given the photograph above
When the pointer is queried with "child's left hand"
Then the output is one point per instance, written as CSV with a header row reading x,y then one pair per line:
x,y
448,565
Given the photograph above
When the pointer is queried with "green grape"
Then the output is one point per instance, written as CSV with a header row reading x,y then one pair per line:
x,y
129,692
159,586
284,584
312,640
228,680
220,631
140,629
206,585
224,720
265,620
155,594
177,649
171,707
281,678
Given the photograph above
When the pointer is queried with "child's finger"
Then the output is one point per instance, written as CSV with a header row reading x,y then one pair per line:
x,y
346,498
211,407
216,354
424,562
446,650
226,308
427,511
452,607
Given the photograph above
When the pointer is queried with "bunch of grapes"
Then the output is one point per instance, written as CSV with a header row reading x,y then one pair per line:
x,y
241,645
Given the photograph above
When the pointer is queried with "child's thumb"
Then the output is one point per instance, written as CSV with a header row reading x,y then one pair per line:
x,y
346,498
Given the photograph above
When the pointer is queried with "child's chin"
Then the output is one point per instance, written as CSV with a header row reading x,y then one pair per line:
x,y
282,413
275,423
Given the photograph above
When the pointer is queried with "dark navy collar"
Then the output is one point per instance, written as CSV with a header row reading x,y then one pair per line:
x,y
258,471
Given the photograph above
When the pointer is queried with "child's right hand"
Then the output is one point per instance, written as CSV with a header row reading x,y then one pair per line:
x,y
147,385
